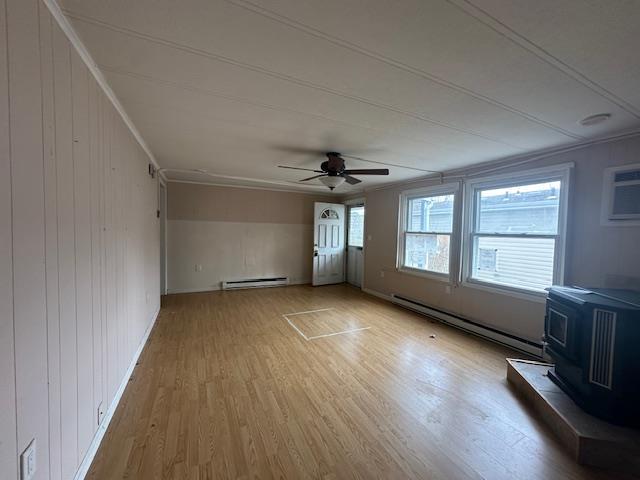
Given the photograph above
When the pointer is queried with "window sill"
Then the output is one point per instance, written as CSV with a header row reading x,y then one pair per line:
x,y
442,277
520,293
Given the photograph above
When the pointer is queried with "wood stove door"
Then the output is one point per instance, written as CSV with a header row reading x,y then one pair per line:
x,y
561,329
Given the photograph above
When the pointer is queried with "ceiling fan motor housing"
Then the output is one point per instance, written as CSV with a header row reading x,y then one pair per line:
x,y
334,165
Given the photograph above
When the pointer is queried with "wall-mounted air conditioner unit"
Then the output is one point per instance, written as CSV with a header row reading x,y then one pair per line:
x,y
621,196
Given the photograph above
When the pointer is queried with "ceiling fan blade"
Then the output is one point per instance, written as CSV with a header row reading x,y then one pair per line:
x,y
368,171
311,178
350,180
298,168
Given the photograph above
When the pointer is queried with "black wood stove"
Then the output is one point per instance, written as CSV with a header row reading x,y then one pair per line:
x,y
593,337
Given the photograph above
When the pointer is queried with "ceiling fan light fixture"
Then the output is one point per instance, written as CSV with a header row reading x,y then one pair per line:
x,y
332,181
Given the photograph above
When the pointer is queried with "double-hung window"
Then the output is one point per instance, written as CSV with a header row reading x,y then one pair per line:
x,y
427,219
516,230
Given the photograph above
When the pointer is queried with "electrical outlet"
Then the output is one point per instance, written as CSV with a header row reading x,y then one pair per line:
x,y
28,462
100,413
447,289
198,267
381,273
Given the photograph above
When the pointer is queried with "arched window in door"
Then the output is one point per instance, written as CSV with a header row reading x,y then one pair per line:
x,y
329,214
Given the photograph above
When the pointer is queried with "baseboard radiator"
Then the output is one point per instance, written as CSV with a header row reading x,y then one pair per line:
x,y
470,326
255,283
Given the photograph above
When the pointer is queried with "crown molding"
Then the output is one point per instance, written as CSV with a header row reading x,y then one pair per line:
x,y
86,57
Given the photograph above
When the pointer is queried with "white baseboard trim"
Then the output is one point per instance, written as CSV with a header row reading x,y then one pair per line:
x,y
375,293
171,291
83,469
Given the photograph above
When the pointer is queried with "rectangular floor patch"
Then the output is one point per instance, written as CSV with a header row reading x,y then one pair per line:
x,y
325,322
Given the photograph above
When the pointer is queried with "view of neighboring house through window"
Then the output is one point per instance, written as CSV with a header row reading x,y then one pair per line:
x,y
426,233
513,236
356,226
516,232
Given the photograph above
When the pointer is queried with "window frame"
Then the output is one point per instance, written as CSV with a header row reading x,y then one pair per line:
x,y
454,236
607,216
472,188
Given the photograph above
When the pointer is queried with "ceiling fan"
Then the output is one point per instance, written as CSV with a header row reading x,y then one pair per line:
x,y
333,171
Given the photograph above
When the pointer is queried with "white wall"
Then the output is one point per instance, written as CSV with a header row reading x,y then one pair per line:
x,y
237,233
597,256
79,246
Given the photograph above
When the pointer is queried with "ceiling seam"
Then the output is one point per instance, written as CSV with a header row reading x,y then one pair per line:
x,y
523,42
192,133
271,189
282,183
277,17
210,93
287,78
513,161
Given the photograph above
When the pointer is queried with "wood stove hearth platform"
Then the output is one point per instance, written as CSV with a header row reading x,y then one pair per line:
x,y
590,440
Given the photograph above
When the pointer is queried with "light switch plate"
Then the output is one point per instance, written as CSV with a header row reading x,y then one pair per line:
x,y
28,462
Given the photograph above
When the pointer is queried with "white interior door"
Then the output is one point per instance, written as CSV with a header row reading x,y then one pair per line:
x,y
328,243
355,244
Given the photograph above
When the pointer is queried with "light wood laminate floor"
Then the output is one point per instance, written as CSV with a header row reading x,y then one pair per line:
x,y
227,387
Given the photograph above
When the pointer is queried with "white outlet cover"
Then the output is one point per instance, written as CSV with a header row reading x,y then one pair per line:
x,y
28,462
100,413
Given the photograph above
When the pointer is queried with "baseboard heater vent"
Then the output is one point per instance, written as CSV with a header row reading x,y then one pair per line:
x,y
470,326
255,283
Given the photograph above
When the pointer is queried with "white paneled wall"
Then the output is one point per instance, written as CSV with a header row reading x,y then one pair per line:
x,y
79,246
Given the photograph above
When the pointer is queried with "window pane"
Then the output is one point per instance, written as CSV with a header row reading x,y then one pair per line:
x,y
513,261
520,209
430,214
356,226
427,252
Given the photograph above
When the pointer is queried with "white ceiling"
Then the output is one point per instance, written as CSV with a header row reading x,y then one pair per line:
x,y
233,86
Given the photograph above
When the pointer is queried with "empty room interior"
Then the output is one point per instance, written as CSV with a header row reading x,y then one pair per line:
x,y
303,239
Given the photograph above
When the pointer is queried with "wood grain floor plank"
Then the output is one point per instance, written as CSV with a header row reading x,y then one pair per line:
x,y
227,388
